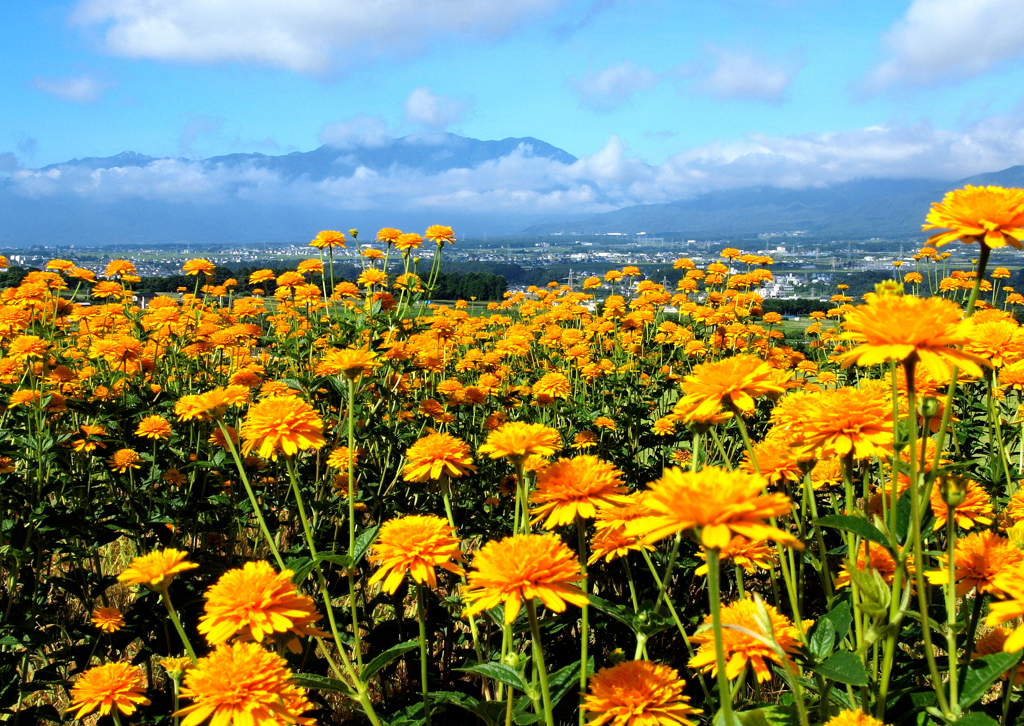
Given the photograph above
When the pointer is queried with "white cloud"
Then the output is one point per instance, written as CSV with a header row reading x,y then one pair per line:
x,y
78,89
744,76
425,108
360,130
527,185
308,36
948,40
607,89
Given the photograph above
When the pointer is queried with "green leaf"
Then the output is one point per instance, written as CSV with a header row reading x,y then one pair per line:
x,y
363,542
769,716
857,525
844,667
841,617
822,639
371,668
492,712
501,673
976,719
342,561
981,672
323,683
562,681
301,566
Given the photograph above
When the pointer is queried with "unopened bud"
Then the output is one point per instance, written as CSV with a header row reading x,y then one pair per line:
x,y
929,407
953,490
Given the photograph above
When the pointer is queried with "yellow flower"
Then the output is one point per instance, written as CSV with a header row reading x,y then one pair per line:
x,y
731,382
994,215
977,559
976,508
520,568
196,267
744,553
875,557
109,620
570,488
256,602
638,693
243,684
716,502
154,427
157,569
837,422
994,641
351,362
517,441
124,459
741,648
328,239
416,544
281,424
105,687
854,717
897,327
553,385
440,234
437,455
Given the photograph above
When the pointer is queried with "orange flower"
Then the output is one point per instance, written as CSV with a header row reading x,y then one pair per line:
x,y
518,441
154,427
351,362
416,544
837,422
776,461
638,693
437,455
897,327
197,267
976,508
854,717
977,559
124,459
741,648
119,267
570,488
157,569
1010,582
281,424
744,553
440,234
328,239
256,602
105,687
994,641
876,557
243,684
520,568
109,620
408,242
553,385
732,382
994,215
716,502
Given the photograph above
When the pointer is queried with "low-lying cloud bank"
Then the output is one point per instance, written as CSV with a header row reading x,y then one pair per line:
x,y
536,187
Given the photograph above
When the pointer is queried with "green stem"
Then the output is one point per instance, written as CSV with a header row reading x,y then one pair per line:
x,y
538,662
165,597
421,613
585,625
724,693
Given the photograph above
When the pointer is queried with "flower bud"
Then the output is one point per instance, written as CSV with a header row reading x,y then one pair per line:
x,y
929,407
953,490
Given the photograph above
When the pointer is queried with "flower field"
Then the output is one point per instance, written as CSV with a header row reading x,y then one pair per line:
x,y
614,503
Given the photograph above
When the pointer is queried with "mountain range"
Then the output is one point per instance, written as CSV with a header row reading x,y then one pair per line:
x,y
510,186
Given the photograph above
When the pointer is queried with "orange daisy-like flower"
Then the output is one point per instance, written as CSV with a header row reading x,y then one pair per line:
x,y
638,693
157,569
518,441
109,686
553,385
124,459
853,717
570,488
716,502
896,327
416,544
1009,582
745,553
352,362
109,620
243,683
437,455
198,267
732,382
154,427
994,641
994,215
611,540
408,242
281,424
328,239
741,648
977,559
837,422
520,568
871,556
256,602
440,234
976,508
776,461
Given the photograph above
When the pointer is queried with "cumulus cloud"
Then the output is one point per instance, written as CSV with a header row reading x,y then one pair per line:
x,y
607,89
360,130
744,76
528,185
78,89
943,40
308,36
424,108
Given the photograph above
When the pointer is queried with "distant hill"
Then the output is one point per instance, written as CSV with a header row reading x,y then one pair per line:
x,y
850,210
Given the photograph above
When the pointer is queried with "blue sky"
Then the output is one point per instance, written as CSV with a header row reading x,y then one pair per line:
x,y
656,96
